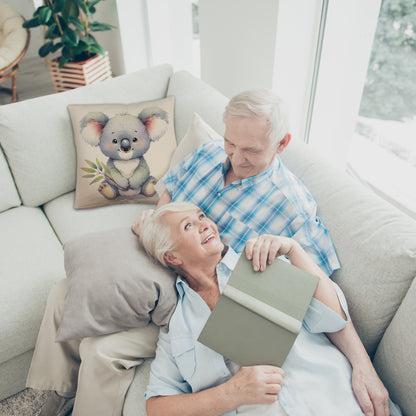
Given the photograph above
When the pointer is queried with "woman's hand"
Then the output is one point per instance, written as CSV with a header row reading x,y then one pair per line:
x,y
255,385
264,249
141,219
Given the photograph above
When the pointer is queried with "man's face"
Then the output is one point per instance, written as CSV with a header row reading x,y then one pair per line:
x,y
195,236
248,147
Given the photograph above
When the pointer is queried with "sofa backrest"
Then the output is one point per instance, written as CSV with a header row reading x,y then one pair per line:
x,y
376,245
375,242
195,96
9,196
36,135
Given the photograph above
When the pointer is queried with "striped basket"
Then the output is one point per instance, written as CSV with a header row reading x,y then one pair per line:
x,y
78,74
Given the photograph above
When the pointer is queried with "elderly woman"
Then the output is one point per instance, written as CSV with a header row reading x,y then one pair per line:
x,y
188,378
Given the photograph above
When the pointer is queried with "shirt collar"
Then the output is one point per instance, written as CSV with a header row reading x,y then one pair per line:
x,y
224,269
252,180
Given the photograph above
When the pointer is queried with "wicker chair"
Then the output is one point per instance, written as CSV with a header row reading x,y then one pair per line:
x,y
14,42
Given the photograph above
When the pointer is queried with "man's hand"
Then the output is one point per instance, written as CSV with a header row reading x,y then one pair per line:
x,y
141,219
255,385
370,392
264,249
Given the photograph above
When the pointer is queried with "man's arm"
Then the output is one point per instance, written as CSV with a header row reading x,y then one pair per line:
x,y
368,388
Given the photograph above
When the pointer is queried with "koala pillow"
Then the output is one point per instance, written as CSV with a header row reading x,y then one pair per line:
x,y
122,151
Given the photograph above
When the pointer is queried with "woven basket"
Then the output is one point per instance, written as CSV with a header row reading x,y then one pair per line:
x,y
78,74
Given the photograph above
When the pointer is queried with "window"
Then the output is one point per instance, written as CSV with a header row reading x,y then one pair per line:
x,y
383,147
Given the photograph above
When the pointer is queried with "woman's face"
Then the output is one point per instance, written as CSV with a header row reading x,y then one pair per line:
x,y
195,236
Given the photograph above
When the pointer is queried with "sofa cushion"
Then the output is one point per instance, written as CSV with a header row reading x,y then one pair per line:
x,y
47,133
69,223
113,286
31,259
134,404
195,96
9,196
198,133
127,171
374,241
394,359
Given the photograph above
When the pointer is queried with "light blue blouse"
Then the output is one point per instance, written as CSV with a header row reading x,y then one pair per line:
x,y
317,375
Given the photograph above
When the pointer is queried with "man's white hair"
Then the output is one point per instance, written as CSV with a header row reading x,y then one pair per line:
x,y
261,104
156,235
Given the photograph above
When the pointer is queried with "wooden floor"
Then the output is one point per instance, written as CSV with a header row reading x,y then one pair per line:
x,y
33,80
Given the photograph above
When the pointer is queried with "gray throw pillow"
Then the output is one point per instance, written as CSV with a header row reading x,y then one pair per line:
x,y
113,286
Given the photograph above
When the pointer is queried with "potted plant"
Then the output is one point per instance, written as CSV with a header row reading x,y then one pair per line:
x,y
68,32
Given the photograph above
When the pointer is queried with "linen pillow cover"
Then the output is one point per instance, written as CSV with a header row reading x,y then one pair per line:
x,y
198,133
122,150
113,285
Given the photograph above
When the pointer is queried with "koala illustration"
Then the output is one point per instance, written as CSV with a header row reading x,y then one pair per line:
x,y
124,139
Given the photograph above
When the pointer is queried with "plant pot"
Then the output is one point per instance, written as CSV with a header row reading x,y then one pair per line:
x,y
78,74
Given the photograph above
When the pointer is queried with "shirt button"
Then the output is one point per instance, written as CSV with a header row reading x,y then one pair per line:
x,y
219,194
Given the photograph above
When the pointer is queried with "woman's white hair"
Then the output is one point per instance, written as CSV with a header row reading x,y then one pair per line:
x,y
155,234
263,104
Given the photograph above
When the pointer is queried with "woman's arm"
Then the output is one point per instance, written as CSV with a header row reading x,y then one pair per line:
x,y
250,385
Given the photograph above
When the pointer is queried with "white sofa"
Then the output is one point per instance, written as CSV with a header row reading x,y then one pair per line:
x,y
376,244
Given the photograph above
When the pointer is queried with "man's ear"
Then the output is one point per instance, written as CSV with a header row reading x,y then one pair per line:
x,y
171,259
283,143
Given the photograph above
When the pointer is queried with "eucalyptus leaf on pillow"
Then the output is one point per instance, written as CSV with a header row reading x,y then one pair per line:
x,y
113,286
122,150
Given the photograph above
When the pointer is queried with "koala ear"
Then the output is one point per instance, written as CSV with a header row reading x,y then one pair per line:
x,y
156,122
92,127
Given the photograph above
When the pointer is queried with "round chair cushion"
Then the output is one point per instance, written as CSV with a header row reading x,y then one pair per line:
x,y
13,36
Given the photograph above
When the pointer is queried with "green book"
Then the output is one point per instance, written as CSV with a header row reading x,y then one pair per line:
x,y
259,314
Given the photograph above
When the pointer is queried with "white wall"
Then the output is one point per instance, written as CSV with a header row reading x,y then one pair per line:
x,y
170,33
265,44
238,42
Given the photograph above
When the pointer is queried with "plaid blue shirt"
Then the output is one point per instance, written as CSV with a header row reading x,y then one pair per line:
x,y
273,202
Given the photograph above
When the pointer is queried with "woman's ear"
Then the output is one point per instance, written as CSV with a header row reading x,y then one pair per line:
x,y
171,259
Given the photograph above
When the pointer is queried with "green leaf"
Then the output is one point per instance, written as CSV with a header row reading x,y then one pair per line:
x,y
44,15
58,5
98,178
77,23
88,170
70,9
52,31
100,27
90,175
106,169
92,164
70,37
99,164
82,5
34,22
96,48
45,49
62,61
57,46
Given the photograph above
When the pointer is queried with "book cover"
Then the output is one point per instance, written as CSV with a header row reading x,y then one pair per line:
x,y
259,314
